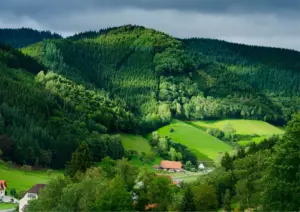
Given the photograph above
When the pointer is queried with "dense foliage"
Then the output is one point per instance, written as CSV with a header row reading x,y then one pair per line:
x,y
43,118
281,183
160,77
170,150
267,77
19,38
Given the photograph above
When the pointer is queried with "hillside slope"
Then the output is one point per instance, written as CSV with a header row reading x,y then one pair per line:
x,y
161,77
244,127
130,79
44,117
202,144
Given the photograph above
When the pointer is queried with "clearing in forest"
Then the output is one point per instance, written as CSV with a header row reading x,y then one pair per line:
x,y
205,146
136,143
243,127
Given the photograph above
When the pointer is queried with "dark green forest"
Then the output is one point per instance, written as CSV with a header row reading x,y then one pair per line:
x,y
58,92
22,37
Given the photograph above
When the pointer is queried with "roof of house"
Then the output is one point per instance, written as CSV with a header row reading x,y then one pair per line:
x,y
36,188
166,164
201,166
150,206
3,184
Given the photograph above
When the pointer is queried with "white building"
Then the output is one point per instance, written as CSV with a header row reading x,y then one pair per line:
x,y
3,187
201,166
31,194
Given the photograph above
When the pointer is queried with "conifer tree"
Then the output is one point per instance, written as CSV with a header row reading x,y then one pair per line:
x,y
282,187
81,160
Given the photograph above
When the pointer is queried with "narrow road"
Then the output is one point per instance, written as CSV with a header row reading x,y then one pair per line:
x,y
8,210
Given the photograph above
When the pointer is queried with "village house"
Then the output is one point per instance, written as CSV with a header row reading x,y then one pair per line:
x,y
171,166
201,166
3,187
31,194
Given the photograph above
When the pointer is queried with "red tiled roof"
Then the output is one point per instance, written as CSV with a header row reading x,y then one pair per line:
x,y
150,206
3,184
166,164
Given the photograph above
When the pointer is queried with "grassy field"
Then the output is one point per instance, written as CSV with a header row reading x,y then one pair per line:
x,y
5,206
244,127
136,161
205,146
21,180
137,143
187,177
255,140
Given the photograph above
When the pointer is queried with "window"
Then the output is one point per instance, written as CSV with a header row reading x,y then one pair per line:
x,y
31,196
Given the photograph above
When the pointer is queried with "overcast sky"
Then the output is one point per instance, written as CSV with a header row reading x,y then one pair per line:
x,y
258,22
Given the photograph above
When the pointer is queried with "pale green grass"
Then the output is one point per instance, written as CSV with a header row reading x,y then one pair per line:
x,y
246,127
21,180
136,161
186,177
136,143
255,140
189,179
204,146
5,206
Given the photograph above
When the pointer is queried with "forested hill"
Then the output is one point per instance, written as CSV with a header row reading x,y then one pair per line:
x,y
268,69
161,77
19,38
57,93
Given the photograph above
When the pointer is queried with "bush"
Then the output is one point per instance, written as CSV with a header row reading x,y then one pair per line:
x,y
171,130
21,194
13,192
26,168
49,172
10,164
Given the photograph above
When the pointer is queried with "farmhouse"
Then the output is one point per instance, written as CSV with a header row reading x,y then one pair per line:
x,y
3,187
201,166
31,194
171,166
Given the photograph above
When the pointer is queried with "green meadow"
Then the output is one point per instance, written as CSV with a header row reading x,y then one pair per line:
x,y
139,144
24,180
205,146
243,127
6,206
136,143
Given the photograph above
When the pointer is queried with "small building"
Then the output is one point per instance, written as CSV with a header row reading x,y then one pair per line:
x,y
31,194
3,186
151,206
171,166
201,166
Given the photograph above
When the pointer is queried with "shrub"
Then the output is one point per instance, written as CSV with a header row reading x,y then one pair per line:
x,y
13,192
26,168
21,193
49,172
10,164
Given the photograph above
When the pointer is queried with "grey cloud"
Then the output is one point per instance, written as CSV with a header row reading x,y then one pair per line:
x,y
262,22
40,7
